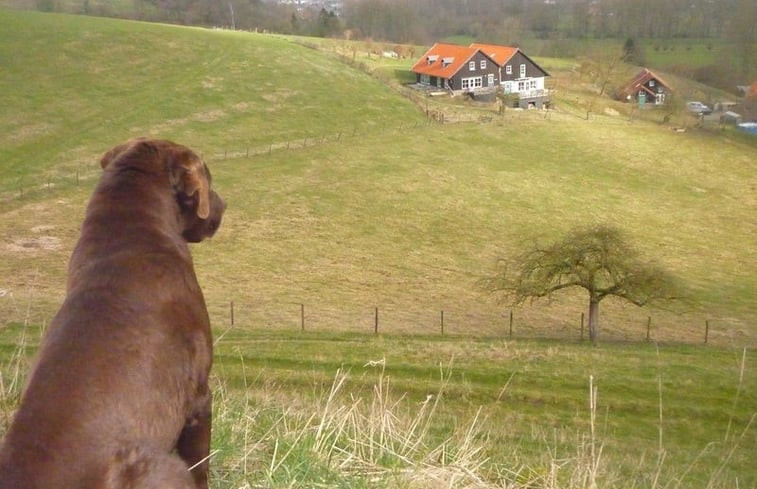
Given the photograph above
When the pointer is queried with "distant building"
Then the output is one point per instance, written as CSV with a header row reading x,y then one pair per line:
x,y
519,75
481,69
645,88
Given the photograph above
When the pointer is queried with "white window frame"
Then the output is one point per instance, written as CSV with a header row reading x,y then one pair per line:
x,y
472,82
482,64
523,70
521,86
509,69
471,66
490,80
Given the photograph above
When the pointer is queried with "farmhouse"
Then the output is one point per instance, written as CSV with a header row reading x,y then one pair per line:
x,y
483,68
458,69
645,88
519,75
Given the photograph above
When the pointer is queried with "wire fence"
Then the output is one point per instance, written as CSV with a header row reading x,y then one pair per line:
x,y
508,324
619,323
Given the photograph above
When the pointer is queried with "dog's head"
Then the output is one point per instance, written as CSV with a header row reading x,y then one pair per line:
x,y
200,208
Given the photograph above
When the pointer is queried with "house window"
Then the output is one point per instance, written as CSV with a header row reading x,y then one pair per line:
x,y
521,86
523,70
532,85
472,66
483,64
471,83
490,80
509,69
651,83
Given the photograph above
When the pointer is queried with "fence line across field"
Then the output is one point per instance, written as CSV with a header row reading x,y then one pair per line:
x,y
377,320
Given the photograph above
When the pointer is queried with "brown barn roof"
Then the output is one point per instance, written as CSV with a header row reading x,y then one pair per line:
x,y
639,81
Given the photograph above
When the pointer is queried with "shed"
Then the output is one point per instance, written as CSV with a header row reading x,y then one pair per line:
x,y
645,88
730,117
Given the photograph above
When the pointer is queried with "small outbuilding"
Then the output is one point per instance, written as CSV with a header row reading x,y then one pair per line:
x,y
645,88
730,117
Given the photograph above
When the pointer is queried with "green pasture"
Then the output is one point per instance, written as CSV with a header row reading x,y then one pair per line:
x,y
71,85
680,53
348,211
299,409
343,198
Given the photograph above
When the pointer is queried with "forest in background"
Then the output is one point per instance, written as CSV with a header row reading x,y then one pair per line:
x,y
725,26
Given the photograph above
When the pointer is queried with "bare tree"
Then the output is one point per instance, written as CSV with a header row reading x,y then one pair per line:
x,y
597,259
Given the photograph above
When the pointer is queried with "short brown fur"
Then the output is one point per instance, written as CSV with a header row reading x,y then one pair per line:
x,y
118,397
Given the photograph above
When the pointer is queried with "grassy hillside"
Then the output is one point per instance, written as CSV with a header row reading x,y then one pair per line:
x,y
379,208
350,201
71,86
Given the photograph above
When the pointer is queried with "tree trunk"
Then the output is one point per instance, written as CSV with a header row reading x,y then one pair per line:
x,y
593,320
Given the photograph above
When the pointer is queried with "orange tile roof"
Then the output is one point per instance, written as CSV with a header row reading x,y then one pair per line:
x,y
443,60
500,54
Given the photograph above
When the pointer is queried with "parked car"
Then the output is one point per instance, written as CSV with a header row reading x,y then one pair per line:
x,y
698,108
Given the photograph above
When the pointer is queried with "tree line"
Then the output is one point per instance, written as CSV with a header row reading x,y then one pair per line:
x,y
425,21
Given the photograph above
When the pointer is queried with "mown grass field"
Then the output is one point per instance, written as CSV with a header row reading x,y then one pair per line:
x,y
349,201
351,410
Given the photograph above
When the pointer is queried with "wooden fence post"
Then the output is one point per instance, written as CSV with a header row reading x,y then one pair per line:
x,y
375,326
442,322
511,324
706,330
302,316
231,311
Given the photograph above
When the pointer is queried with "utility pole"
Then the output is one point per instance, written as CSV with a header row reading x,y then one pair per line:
x,y
233,24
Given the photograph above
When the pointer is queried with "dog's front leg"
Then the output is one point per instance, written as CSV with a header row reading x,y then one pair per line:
x,y
194,442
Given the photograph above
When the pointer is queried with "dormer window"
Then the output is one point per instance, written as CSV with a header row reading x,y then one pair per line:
x,y
447,61
432,59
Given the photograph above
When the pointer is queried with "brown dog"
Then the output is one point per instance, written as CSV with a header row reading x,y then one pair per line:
x,y
119,397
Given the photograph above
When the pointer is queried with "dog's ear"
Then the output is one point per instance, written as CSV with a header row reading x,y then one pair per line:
x,y
189,178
